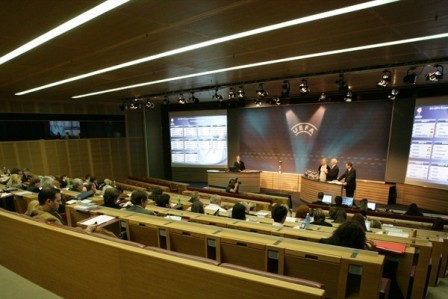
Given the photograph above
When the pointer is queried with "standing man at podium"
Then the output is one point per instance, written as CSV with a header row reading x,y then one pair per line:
x,y
334,170
350,179
239,165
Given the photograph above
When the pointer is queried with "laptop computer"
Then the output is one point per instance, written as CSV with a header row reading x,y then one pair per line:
x,y
233,169
327,199
371,206
348,201
84,195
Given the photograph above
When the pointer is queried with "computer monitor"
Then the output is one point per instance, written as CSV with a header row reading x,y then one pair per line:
x,y
233,169
371,206
348,201
327,199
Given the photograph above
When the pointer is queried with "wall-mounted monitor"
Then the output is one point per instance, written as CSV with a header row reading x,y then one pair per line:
x,y
64,129
198,138
428,153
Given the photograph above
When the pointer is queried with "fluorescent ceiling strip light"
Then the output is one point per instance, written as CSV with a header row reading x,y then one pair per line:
x,y
220,40
61,29
245,66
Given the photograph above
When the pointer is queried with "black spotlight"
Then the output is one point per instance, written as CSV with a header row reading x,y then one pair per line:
x,y
411,76
181,99
322,97
385,79
342,85
166,100
304,88
149,104
241,93
217,96
232,94
393,94
193,99
258,102
285,89
261,92
348,96
436,75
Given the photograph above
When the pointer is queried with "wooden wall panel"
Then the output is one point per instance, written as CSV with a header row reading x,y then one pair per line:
x,y
374,191
55,157
280,181
30,155
120,161
8,156
78,153
426,198
137,159
101,158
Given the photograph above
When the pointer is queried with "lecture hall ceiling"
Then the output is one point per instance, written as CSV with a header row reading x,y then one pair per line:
x,y
142,28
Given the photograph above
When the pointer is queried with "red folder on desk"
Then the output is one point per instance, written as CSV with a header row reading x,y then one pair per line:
x,y
390,247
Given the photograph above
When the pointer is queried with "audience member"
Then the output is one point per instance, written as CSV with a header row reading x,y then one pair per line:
x,y
106,184
110,198
139,200
340,217
46,206
233,186
197,207
360,219
163,200
320,196
26,174
194,197
77,185
438,224
155,193
338,202
363,204
278,214
91,187
47,182
332,212
34,184
413,210
239,211
301,211
319,218
349,234
15,181
376,224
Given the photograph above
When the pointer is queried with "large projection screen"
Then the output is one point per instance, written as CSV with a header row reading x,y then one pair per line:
x,y
428,153
198,138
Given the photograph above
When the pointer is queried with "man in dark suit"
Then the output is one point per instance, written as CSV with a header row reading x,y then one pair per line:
x,y
239,165
334,170
350,179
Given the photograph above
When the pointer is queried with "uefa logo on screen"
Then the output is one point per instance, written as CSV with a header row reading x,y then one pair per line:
x,y
303,128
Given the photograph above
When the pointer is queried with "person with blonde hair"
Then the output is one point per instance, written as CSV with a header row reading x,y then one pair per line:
x,y
15,181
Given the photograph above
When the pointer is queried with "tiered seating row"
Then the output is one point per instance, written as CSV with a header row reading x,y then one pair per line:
x,y
92,267
260,252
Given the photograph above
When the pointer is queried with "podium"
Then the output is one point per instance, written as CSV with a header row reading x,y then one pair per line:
x,y
250,179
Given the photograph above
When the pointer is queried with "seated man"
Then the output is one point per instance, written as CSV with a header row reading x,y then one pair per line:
x,y
34,185
233,186
279,213
139,199
46,206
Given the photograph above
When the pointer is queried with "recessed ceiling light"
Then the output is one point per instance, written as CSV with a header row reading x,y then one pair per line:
x,y
61,29
220,40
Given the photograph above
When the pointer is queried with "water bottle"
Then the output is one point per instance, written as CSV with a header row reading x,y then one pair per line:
x,y
179,203
307,220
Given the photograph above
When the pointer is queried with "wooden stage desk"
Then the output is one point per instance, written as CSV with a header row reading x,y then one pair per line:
x,y
310,188
250,179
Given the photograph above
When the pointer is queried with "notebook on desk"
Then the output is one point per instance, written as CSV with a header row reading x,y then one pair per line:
x,y
390,247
